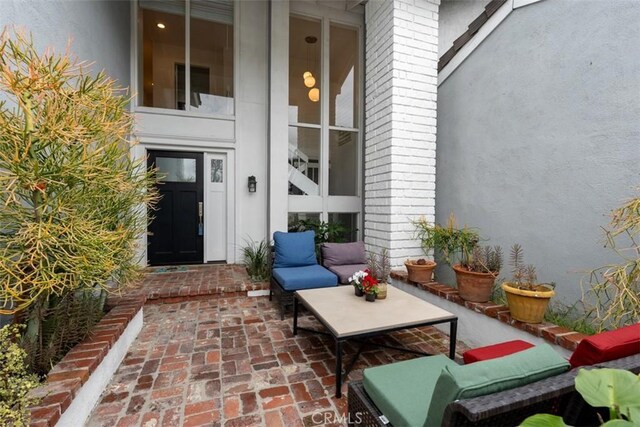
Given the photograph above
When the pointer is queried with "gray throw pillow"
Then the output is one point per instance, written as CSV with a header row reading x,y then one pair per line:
x,y
343,254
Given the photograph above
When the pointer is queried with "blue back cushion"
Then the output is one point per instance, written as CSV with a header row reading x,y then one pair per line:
x,y
294,249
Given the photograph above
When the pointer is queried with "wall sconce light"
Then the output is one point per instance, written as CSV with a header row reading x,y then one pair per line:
x,y
252,184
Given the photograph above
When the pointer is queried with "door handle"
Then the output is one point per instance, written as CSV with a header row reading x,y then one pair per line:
x,y
200,215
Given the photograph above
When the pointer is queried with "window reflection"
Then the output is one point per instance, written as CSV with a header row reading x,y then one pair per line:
x,y
163,48
343,76
304,57
172,169
343,163
349,221
165,72
304,161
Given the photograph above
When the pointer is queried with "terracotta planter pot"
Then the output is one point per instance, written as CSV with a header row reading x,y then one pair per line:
x,y
420,273
527,306
370,297
474,286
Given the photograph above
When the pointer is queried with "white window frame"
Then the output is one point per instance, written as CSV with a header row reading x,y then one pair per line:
x,y
325,204
136,66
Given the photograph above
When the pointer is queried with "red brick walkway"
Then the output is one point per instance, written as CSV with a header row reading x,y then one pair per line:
x,y
195,281
232,362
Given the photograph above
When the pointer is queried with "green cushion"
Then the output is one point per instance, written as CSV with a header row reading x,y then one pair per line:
x,y
402,390
491,376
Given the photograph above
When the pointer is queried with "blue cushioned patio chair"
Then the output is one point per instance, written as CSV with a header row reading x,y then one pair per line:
x,y
295,267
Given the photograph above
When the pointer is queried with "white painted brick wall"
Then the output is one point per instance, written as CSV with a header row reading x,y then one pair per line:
x,y
400,122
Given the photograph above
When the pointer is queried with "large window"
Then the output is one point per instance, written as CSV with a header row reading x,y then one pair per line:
x,y
325,141
186,55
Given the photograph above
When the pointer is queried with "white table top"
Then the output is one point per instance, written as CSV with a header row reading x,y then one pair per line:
x,y
347,315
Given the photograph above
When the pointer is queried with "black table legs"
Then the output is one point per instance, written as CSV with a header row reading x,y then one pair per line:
x,y
452,338
295,315
338,369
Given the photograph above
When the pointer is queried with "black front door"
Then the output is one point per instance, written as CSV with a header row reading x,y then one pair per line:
x,y
176,231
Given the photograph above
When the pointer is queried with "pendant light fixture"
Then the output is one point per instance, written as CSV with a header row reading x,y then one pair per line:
x,y
314,94
309,80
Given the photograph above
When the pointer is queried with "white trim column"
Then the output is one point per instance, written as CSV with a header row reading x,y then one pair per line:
x,y
400,122
279,103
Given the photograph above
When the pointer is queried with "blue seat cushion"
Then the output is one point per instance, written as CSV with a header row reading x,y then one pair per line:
x,y
294,249
308,277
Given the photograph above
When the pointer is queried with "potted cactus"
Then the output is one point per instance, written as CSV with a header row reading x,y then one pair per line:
x,y
477,272
527,299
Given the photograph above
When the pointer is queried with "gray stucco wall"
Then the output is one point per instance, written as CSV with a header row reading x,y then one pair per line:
x,y
539,133
99,30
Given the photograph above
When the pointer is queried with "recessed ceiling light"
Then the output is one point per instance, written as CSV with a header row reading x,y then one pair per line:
x,y
161,25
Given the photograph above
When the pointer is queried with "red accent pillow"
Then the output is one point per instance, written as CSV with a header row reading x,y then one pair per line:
x,y
607,346
494,351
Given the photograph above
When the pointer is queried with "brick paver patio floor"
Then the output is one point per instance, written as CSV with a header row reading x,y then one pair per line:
x,y
233,362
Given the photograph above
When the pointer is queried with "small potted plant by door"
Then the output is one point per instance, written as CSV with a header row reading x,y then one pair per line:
x,y
370,288
380,267
527,299
477,272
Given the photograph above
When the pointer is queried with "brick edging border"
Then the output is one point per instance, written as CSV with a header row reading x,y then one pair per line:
x,y
555,334
67,376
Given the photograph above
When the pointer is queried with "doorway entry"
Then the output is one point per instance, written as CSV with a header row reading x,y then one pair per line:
x,y
176,233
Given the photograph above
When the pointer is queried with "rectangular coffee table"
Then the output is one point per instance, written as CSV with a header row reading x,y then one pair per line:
x,y
347,316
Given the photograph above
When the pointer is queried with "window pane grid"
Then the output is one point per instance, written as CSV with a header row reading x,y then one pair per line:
x,y
187,55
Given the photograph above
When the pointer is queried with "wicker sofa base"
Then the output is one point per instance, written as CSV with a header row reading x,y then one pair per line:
x,y
555,395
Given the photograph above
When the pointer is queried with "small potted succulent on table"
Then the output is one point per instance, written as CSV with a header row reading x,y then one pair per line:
x,y
527,299
477,272
380,269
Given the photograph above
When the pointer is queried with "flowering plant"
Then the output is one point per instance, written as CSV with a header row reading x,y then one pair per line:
x,y
370,285
358,278
364,281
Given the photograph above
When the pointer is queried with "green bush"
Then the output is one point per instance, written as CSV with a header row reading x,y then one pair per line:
x,y
15,382
612,295
452,242
74,202
334,232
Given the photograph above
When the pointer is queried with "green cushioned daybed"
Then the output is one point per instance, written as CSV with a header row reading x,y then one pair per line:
x,y
415,393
